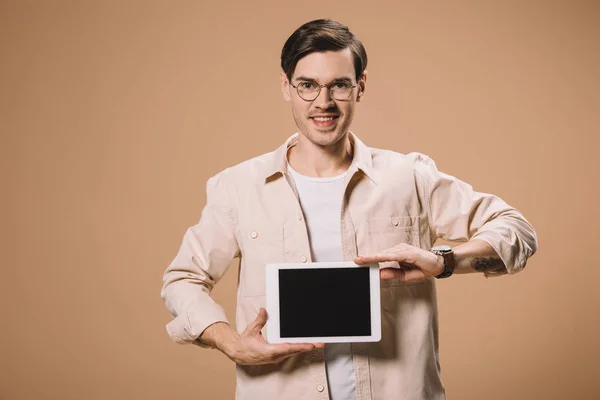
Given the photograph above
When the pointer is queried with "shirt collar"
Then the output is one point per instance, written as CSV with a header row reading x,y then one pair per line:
x,y
361,157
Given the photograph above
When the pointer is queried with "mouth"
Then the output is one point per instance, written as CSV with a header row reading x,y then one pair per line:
x,y
325,121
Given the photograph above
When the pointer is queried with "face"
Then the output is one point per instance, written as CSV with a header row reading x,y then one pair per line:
x,y
314,118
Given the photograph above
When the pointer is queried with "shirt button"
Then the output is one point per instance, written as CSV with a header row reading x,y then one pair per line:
x,y
303,258
254,235
320,388
395,221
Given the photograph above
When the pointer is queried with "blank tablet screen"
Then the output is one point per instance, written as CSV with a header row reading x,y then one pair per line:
x,y
324,302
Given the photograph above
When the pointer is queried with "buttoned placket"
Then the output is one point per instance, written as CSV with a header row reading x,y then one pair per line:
x,y
350,251
316,357
349,248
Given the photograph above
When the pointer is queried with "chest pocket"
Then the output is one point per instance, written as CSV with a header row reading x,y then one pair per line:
x,y
259,247
386,232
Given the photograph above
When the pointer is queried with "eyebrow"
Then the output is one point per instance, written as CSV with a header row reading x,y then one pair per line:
x,y
338,79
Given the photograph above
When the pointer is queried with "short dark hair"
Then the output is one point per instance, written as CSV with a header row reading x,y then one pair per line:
x,y
322,35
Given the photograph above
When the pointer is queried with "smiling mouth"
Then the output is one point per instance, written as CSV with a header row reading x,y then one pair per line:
x,y
325,122
324,119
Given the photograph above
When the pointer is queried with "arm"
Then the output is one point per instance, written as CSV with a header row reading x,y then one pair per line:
x,y
205,254
250,347
499,239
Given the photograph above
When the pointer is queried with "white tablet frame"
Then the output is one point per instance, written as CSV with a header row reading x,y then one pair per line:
x,y
272,303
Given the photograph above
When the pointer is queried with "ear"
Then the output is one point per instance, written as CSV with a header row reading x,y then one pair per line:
x,y
285,87
362,84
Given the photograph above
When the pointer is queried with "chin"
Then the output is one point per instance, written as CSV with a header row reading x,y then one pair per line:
x,y
325,138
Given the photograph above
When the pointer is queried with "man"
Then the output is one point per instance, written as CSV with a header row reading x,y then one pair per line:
x,y
325,196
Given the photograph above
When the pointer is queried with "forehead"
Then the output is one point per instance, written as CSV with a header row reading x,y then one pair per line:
x,y
325,66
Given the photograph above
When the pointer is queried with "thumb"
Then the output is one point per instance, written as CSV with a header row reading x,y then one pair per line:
x,y
259,322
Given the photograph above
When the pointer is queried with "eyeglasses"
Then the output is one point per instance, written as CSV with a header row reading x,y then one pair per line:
x,y
309,91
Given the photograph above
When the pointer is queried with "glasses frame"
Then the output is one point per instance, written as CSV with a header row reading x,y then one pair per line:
x,y
328,86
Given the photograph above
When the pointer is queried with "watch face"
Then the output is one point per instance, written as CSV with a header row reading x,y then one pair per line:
x,y
442,248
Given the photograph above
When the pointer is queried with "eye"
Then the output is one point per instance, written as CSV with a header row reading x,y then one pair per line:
x,y
308,85
342,85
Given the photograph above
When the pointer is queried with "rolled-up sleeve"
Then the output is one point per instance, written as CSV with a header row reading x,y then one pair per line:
x,y
456,212
207,250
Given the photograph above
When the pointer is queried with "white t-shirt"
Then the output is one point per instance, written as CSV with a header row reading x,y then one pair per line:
x,y
321,201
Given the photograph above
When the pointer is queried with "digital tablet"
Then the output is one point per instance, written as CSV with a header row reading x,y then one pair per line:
x,y
332,302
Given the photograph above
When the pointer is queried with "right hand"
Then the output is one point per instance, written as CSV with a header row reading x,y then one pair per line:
x,y
251,349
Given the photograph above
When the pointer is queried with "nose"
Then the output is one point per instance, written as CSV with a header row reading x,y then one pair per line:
x,y
324,99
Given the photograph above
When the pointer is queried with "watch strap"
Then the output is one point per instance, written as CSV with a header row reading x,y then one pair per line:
x,y
449,263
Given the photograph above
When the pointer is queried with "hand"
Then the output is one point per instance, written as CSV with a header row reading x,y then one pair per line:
x,y
414,263
251,349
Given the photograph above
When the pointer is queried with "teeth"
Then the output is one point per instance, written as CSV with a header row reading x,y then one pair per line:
x,y
323,118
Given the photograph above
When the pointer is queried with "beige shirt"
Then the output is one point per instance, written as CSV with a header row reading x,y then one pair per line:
x,y
253,213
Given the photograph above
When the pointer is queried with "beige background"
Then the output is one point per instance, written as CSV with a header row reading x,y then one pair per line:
x,y
113,115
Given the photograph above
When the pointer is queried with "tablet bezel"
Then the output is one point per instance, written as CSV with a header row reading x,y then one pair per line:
x,y
272,303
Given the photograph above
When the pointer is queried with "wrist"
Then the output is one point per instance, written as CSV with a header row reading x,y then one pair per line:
x,y
439,264
220,336
228,346
447,262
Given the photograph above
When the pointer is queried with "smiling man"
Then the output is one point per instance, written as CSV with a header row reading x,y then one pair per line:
x,y
324,195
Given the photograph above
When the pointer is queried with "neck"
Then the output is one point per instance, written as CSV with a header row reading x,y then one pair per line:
x,y
320,161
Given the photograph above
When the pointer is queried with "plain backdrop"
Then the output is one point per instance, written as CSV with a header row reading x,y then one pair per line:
x,y
113,114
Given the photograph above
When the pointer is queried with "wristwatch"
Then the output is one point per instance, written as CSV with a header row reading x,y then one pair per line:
x,y
449,260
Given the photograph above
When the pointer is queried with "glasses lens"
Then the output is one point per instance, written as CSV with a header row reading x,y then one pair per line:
x,y
308,90
341,91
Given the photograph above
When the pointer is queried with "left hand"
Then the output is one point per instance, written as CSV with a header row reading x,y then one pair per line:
x,y
414,263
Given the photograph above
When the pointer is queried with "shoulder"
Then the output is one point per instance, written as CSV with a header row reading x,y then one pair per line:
x,y
393,160
246,172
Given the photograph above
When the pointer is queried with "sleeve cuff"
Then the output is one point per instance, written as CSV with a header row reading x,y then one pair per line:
x,y
186,328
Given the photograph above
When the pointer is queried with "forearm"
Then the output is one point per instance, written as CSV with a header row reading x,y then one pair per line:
x,y
478,256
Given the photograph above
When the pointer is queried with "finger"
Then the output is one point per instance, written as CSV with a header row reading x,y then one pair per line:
x,y
413,275
280,359
274,353
403,274
413,256
260,321
389,273
277,350
373,257
404,256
